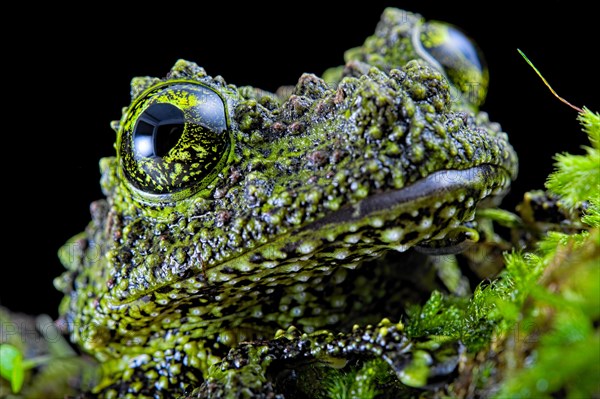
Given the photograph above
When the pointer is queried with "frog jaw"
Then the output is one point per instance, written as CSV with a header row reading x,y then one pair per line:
x,y
398,220
395,220
426,210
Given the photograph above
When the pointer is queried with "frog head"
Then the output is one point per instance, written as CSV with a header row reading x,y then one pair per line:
x,y
220,195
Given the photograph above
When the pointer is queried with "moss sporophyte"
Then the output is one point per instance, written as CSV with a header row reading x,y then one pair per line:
x,y
258,245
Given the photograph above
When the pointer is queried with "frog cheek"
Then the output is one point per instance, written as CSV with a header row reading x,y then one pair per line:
x,y
458,57
173,141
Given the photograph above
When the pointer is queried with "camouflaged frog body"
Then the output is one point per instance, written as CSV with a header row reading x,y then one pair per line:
x,y
229,215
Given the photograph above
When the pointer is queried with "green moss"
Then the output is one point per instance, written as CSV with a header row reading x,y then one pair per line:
x,y
563,309
577,178
359,383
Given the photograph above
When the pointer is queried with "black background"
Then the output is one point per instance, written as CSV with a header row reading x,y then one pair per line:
x,y
70,77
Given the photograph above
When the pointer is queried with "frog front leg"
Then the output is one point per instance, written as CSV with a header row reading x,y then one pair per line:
x,y
253,369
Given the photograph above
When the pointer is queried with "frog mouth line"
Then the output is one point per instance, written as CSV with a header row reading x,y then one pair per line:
x,y
397,219
382,210
477,178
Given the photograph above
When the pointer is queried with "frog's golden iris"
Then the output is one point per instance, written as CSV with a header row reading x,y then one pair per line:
x,y
173,138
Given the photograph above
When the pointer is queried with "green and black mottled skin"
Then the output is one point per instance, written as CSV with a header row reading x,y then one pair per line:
x,y
403,36
261,216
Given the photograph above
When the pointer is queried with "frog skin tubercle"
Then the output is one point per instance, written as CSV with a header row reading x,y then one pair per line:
x,y
231,214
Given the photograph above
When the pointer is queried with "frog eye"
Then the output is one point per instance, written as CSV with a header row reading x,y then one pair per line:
x,y
457,56
174,138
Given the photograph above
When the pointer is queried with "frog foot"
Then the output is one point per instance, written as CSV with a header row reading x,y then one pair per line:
x,y
270,368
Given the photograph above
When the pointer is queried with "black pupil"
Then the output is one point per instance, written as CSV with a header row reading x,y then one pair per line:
x,y
157,130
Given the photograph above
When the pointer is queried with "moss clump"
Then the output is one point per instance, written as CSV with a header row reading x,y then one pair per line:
x,y
558,349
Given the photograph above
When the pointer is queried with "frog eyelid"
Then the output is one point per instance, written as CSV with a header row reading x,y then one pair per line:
x,y
420,50
457,58
166,83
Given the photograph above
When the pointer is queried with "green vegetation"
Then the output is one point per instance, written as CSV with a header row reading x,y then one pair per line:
x,y
36,361
559,312
11,366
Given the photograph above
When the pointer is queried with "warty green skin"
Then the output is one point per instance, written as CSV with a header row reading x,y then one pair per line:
x,y
402,36
160,288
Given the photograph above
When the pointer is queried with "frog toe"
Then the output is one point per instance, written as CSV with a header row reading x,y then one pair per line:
x,y
273,368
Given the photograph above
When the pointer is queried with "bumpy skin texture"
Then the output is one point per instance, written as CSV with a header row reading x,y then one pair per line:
x,y
403,36
160,287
